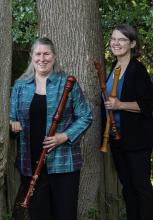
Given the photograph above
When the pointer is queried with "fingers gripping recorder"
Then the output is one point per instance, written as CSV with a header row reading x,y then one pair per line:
x,y
67,88
110,118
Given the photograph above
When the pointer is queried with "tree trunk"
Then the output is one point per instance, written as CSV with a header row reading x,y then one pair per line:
x,y
74,26
5,75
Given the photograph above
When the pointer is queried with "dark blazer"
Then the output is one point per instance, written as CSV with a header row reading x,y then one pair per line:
x,y
137,128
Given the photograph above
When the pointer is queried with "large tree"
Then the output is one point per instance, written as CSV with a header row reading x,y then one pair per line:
x,y
74,27
5,75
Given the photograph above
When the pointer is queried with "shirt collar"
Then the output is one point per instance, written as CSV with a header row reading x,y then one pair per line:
x,y
31,79
51,78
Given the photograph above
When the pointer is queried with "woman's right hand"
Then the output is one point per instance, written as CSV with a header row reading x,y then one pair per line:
x,y
15,126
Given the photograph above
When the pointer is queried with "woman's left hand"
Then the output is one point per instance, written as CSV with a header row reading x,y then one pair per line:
x,y
53,141
113,104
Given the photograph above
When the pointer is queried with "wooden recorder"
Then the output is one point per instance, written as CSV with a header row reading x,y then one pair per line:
x,y
110,118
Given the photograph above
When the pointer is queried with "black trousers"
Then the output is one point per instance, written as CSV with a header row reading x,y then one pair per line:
x,y
134,170
55,196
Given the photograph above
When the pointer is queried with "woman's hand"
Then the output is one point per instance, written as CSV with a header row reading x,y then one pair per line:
x,y
116,104
113,104
52,142
15,126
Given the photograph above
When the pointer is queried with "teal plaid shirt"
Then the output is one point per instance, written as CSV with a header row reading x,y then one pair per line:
x,y
75,119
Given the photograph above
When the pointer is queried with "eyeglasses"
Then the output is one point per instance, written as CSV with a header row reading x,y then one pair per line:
x,y
120,40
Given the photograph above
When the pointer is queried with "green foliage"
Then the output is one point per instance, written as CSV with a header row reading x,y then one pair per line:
x,y
94,214
7,216
134,12
122,215
24,25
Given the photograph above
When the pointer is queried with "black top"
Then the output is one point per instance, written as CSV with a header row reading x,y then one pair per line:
x,y
137,128
37,113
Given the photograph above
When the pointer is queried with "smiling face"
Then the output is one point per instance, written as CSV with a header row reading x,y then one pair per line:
x,y
120,45
43,59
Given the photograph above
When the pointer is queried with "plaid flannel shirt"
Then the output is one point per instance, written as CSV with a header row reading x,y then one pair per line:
x,y
75,119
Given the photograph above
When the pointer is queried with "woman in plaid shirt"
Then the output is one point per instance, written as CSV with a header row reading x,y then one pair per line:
x,y
34,100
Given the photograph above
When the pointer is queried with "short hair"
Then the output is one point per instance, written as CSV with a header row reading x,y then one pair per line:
x,y
131,33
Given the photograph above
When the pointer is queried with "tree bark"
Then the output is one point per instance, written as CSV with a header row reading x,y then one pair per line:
x,y
74,27
5,75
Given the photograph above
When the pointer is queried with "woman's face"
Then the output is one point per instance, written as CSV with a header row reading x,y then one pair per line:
x,y
43,59
120,44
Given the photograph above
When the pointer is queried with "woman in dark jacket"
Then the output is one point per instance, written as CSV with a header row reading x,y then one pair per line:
x,y
132,110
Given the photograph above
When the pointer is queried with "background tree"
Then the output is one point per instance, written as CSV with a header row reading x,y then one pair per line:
x,y
135,12
74,27
5,75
